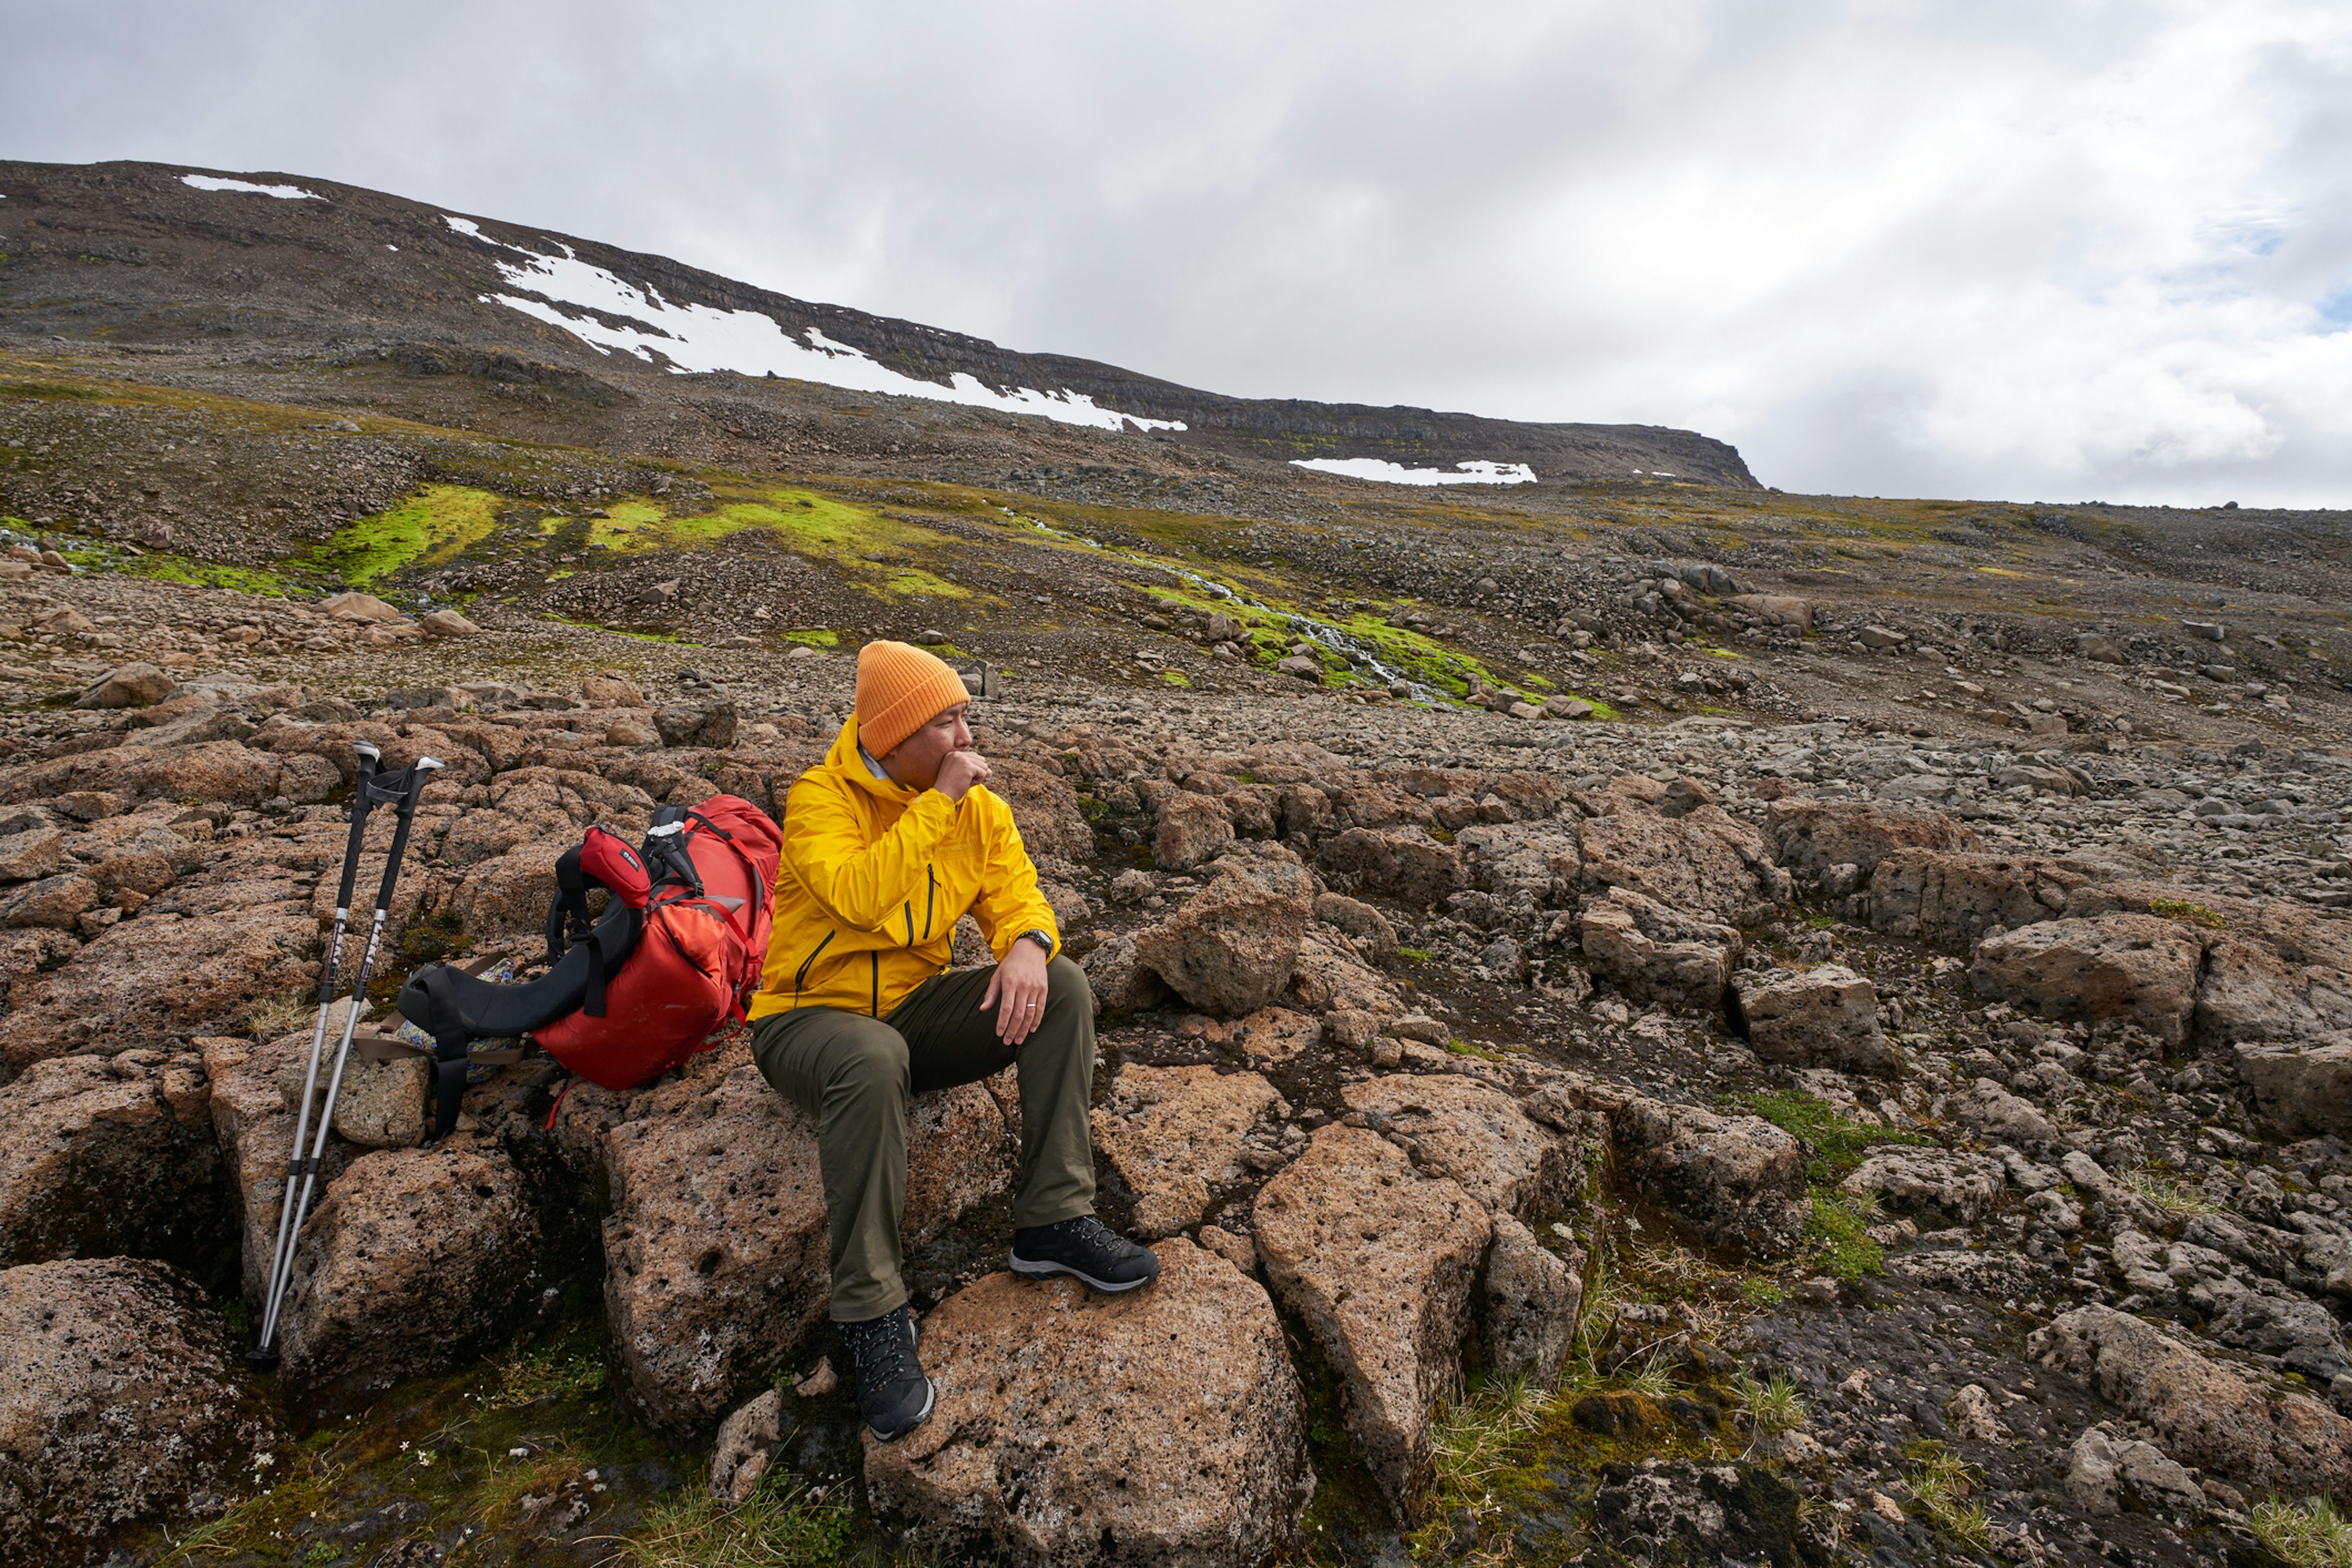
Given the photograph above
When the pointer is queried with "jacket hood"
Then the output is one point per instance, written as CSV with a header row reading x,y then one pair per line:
x,y
844,758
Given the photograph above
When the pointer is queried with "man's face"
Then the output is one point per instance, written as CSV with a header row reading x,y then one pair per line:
x,y
915,761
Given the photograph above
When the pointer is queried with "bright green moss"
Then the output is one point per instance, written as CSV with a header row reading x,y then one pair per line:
x,y
427,529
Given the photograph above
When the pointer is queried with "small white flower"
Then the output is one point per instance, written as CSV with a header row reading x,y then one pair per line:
x,y
517,1453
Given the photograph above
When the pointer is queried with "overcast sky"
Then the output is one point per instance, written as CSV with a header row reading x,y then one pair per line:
x,y
2026,250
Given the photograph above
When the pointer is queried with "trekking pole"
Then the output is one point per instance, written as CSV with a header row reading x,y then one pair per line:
x,y
262,1358
401,789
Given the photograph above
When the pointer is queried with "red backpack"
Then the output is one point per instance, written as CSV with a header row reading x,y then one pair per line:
x,y
675,956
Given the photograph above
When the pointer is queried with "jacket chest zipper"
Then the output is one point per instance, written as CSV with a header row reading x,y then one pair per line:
x,y
876,959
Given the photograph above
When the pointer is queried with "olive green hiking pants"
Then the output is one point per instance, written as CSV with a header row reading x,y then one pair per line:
x,y
854,1074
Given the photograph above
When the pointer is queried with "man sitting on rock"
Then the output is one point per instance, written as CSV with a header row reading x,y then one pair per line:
x,y
888,842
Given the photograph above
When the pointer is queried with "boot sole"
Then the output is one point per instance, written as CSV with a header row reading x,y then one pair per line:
x,y
930,1400
1042,1269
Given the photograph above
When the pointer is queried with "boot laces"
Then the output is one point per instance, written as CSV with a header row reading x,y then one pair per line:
x,y
879,1348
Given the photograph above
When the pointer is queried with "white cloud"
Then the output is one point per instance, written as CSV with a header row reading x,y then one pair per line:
x,y
2007,248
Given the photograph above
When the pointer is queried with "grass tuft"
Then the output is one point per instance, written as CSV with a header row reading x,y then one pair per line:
x,y
2182,909
1942,1483
1773,1404
281,1015
783,1524
1837,1230
2307,1534
570,1366
2173,1197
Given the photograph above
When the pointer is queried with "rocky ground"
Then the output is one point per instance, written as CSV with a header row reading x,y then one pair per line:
x,y
1645,1024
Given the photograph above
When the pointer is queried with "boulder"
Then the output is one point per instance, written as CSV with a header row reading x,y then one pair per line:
x,y
1776,609
1813,836
713,726
1530,1299
1380,1264
56,902
31,854
1478,1138
1936,1188
2201,1413
1655,954
1193,830
2103,1467
1119,980
254,1133
2141,968
717,1260
611,691
2000,1117
2305,1086
124,1403
112,1156
1174,1136
355,605
2301,1333
1163,1427
1950,898
380,1105
128,685
2273,987
447,624
1232,949
1824,1017
1738,1180
149,980
222,771
1363,925
1407,865
1705,865
1044,809
414,1262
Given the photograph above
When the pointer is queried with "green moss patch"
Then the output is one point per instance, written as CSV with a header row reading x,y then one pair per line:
x,y
427,529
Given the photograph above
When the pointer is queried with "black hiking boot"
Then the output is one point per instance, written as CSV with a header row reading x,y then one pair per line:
x,y
1087,1248
892,1394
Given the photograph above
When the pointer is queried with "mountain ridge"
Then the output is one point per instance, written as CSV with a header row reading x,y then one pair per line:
x,y
218,265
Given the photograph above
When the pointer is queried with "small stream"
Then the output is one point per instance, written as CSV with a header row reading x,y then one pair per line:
x,y
1363,656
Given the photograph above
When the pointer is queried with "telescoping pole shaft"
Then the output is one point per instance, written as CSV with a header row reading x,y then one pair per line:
x,y
263,1357
403,788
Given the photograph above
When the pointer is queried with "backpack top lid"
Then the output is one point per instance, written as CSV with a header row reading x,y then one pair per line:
x,y
606,857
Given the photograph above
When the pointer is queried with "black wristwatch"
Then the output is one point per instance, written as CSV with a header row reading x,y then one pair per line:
x,y
1041,937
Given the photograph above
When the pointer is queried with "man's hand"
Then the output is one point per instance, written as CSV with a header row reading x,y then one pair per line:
x,y
959,771
1018,990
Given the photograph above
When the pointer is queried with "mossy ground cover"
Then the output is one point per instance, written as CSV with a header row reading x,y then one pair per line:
x,y
1836,1234
428,530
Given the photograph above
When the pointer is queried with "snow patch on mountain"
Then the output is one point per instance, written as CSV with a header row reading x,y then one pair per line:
x,y
608,314
283,193
1379,471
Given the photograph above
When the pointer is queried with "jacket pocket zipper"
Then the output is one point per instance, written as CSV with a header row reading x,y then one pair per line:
x,y
801,978
877,959
909,907
930,893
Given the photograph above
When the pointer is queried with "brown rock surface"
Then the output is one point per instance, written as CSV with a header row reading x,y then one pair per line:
x,y
2202,1413
1739,1179
1476,1136
108,1156
1231,951
1813,835
2141,968
1380,1262
1411,866
123,1403
1824,1017
1174,1135
1529,1301
1192,829
415,1262
1948,899
1653,953
1704,865
1162,1426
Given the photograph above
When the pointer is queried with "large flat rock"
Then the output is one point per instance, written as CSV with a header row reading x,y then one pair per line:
x,y
1380,1262
1163,1427
123,1402
1476,1136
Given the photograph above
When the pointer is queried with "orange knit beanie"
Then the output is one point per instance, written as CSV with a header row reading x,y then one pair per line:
x,y
900,689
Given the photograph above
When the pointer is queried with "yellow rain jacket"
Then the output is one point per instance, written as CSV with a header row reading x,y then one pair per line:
x,y
874,878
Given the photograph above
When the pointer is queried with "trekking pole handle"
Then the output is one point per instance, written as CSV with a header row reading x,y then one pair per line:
x,y
371,760
418,772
